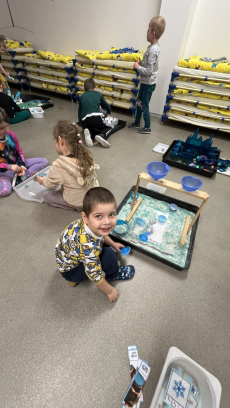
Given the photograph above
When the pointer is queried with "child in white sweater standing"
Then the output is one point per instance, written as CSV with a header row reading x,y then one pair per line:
x,y
148,69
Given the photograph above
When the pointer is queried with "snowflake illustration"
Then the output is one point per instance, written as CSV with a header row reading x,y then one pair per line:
x,y
179,389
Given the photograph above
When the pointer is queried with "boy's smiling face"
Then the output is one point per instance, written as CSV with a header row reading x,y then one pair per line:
x,y
102,219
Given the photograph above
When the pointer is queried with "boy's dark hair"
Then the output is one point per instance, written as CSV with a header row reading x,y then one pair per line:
x,y
3,116
97,195
89,84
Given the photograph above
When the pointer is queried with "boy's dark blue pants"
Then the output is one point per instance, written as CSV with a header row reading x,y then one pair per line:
x,y
143,100
109,265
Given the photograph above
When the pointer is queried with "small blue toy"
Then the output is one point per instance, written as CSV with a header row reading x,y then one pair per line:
x,y
162,219
173,207
125,251
144,237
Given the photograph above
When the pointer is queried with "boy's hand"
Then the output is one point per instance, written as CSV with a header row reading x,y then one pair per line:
x,y
140,61
40,180
113,295
136,65
117,246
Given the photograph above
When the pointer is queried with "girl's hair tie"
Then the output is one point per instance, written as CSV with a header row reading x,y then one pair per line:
x,y
79,141
73,123
79,135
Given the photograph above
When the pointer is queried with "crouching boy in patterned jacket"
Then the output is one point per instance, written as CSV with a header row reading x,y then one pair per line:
x,y
84,250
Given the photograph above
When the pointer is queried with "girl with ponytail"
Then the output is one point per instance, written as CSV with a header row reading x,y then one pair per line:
x,y
74,169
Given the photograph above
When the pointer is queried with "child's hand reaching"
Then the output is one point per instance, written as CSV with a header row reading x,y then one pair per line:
x,y
113,295
117,246
40,180
19,170
136,65
22,171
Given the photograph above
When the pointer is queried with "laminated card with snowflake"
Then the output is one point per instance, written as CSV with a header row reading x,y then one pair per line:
x,y
181,390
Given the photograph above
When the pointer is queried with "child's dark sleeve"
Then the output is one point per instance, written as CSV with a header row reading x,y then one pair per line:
x,y
14,105
104,104
19,153
80,113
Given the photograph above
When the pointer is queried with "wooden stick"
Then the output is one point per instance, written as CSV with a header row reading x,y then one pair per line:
x,y
135,192
134,209
184,233
174,186
197,215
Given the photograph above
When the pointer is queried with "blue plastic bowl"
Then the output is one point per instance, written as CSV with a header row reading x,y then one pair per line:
x,y
140,222
121,227
162,219
157,170
191,183
173,207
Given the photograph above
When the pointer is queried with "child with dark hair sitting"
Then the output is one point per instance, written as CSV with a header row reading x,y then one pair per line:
x,y
83,250
90,116
15,113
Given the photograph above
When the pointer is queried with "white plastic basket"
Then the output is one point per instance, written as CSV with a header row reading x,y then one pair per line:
x,y
37,112
209,386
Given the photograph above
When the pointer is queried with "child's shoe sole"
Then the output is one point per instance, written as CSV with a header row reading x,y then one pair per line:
x,y
102,141
88,139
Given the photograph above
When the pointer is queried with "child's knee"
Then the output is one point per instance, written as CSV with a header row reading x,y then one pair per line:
x,y
5,187
109,259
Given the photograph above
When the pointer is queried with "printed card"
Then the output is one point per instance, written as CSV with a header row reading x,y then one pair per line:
x,y
192,403
178,390
136,387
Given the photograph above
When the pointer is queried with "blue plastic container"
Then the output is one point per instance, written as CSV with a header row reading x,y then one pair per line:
x,y
173,207
121,227
191,183
140,222
162,219
157,170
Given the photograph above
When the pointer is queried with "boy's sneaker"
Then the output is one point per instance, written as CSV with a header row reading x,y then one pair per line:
x,y
124,273
88,139
143,131
134,125
101,139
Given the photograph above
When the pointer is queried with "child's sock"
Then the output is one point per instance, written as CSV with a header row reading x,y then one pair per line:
x,y
124,273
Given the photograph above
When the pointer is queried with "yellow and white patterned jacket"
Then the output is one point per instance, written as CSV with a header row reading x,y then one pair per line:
x,y
77,245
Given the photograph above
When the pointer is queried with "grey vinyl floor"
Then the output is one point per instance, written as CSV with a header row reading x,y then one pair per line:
x,y
64,347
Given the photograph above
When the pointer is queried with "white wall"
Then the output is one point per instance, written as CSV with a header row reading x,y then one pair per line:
x,y
65,25
210,32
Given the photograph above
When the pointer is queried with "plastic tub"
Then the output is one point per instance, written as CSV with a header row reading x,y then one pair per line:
x,y
37,112
191,183
157,170
209,386
31,190
121,227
